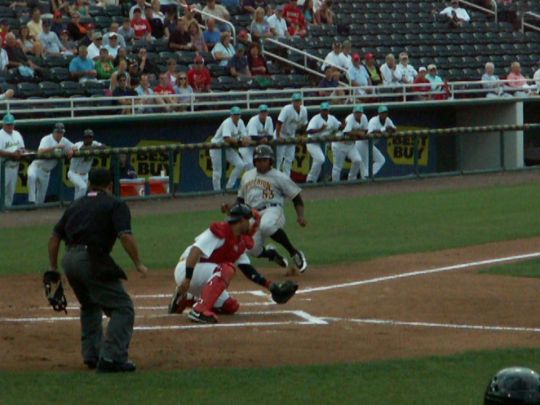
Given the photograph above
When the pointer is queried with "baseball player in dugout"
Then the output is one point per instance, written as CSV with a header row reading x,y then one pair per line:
x,y
206,268
89,227
80,166
11,147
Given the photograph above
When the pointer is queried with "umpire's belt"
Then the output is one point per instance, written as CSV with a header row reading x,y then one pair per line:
x,y
77,247
265,206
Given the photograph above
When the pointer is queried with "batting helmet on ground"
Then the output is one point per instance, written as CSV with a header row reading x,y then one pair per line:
x,y
263,152
514,385
239,211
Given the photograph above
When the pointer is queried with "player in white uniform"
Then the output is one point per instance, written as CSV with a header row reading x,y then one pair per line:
x,y
11,146
292,119
230,131
80,166
260,128
322,124
39,170
264,189
380,123
354,123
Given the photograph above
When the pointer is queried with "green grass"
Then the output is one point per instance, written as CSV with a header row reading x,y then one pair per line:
x,y
529,268
453,380
339,231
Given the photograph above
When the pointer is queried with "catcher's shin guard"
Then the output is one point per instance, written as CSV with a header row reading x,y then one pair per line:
x,y
229,307
223,274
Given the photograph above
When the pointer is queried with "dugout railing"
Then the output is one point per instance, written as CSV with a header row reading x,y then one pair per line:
x,y
173,151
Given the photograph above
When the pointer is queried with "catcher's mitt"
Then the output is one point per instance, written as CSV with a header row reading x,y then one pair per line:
x,y
283,292
54,290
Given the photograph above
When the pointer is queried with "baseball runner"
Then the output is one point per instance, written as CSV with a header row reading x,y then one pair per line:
x,y
39,170
230,131
356,124
207,267
80,166
292,119
322,124
265,188
11,146
260,128
380,123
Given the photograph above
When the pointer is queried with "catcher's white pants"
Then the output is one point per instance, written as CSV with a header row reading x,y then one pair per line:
x,y
38,181
317,156
378,158
247,157
272,219
80,181
342,150
285,158
11,177
234,159
202,274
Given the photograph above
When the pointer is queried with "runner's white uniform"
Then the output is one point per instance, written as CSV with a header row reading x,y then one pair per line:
x,y
350,149
79,168
291,120
10,143
375,125
39,170
227,129
314,149
266,193
256,130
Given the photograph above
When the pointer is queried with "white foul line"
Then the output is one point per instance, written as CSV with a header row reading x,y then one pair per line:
x,y
419,273
436,325
257,293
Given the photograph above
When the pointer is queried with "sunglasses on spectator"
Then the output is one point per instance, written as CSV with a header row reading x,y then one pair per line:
x,y
182,78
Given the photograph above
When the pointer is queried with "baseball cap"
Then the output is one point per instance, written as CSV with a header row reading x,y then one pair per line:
x,y
113,35
356,57
9,119
382,109
325,106
97,35
88,133
236,110
243,33
57,14
432,66
59,127
263,108
422,69
199,59
358,108
296,97
369,56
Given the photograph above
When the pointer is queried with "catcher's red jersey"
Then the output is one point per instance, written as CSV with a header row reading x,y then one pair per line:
x,y
233,247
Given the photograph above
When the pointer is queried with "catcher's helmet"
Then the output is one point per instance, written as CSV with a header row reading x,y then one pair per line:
x,y
263,152
239,211
513,385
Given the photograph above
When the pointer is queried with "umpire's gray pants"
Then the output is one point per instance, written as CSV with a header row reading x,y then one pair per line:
x,y
97,297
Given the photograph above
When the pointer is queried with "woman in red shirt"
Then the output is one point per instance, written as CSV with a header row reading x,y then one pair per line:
x,y
256,62
140,26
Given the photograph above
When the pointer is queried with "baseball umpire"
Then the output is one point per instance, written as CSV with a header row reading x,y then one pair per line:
x,y
89,227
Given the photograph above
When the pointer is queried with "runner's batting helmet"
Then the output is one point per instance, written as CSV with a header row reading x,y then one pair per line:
x,y
239,211
263,152
514,385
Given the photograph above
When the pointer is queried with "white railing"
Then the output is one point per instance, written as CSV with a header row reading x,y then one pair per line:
x,y
528,25
221,20
484,9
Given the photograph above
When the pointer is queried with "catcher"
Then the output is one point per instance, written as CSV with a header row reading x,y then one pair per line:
x,y
207,267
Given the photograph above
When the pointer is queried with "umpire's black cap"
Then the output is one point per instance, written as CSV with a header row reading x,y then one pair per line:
x,y
100,177
239,211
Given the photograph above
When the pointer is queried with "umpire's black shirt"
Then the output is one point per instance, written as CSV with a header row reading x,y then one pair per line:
x,y
94,220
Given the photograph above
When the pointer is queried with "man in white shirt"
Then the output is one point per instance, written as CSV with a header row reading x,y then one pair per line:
x,y
356,125
50,41
292,118
278,24
456,15
113,45
536,78
114,30
230,132
95,46
260,128
390,74
491,82
334,60
358,75
408,72
80,166
322,124
39,170
4,60
345,55
379,124
11,147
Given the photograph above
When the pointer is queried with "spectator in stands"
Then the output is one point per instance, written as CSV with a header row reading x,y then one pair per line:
x,y
144,89
77,31
156,10
197,38
189,16
199,77
180,39
57,26
170,19
50,41
223,51
145,65
81,7
407,71
506,11
18,59
333,60
127,32
123,92
184,91
238,64
134,72
517,84
256,62
120,56
121,69
438,85
295,19
139,4
104,66
81,67
113,46
455,15
324,14
165,89
216,10
491,82
390,74
243,38
69,45
309,12
358,75
422,85
29,43
142,28
35,25
171,70
249,6
373,70
278,24
4,61
345,56
211,34
60,6
330,81
536,78
157,28
113,30
259,27
95,46
4,29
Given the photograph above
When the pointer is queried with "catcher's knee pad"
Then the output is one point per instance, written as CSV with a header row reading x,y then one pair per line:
x,y
230,306
225,271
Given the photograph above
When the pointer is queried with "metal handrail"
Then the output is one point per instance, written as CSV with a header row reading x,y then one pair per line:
x,y
528,25
222,20
484,9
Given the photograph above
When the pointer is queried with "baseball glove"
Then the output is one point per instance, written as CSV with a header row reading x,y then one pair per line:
x,y
54,290
283,292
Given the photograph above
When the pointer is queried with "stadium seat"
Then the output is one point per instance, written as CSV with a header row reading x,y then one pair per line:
x,y
71,89
60,74
50,89
26,90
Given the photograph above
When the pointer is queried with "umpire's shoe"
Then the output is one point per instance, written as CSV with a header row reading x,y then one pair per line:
x,y
109,366
201,317
274,256
300,261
